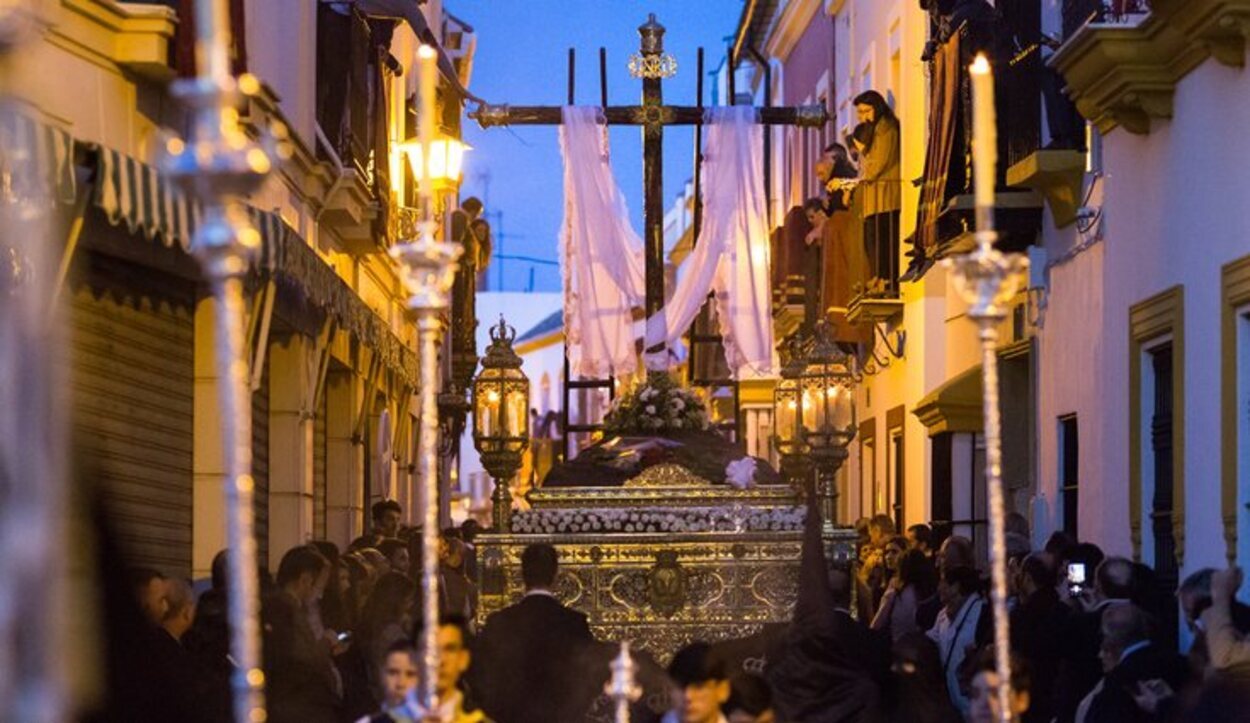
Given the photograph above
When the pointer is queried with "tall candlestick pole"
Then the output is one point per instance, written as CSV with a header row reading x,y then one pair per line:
x,y
622,687
219,165
429,268
34,602
988,279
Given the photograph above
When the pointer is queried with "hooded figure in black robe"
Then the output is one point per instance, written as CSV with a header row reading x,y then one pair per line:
x,y
832,667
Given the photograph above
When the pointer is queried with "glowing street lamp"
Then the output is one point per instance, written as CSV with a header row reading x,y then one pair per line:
x,y
446,161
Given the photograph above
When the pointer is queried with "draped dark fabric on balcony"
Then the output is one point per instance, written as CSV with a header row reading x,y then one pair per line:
x,y
945,124
351,54
844,269
792,247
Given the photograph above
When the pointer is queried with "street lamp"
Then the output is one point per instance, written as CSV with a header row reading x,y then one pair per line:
x,y
501,417
446,161
787,415
827,413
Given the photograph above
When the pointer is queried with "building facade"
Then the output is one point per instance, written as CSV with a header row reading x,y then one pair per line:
x,y
332,365
1123,362
1159,298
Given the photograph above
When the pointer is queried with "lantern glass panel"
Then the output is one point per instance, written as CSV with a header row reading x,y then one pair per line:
x,y
786,410
516,406
488,405
843,409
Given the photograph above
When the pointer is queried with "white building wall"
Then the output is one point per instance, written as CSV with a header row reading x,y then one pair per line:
x,y
1178,206
1072,380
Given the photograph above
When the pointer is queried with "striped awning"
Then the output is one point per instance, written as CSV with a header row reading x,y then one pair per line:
x,y
135,194
36,159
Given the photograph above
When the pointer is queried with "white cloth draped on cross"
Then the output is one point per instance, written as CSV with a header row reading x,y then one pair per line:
x,y
602,254
731,253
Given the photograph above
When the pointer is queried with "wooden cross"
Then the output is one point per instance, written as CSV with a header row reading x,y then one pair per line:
x,y
653,116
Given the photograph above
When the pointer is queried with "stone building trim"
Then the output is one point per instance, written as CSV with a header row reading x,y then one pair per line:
x,y
1159,316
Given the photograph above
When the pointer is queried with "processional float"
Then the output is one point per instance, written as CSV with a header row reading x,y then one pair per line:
x,y
665,554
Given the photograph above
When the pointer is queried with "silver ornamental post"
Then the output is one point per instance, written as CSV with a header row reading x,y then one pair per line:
x,y
219,166
32,433
622,688
988,279
429,268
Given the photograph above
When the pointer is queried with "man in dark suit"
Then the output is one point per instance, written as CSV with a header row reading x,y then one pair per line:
x,y
301,683
523,664
1132,662
1038,623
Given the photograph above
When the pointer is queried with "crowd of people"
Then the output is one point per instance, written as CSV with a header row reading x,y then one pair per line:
x,y
337,632
906,637
1094,638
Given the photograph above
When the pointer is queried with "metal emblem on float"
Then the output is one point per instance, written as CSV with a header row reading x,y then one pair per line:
x,y
667,583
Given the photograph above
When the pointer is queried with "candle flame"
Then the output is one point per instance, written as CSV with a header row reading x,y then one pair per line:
x,y
980,66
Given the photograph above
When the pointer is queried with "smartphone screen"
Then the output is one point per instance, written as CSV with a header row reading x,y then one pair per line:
x,y
1076,574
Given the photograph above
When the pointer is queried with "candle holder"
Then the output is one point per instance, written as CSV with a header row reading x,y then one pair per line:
x,y
428,268
501,418
219,165
987,280
623,688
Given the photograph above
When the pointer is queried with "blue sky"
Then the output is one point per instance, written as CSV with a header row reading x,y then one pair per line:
x,y
522,59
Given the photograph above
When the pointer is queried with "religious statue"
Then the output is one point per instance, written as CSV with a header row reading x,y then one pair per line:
x,y
472,232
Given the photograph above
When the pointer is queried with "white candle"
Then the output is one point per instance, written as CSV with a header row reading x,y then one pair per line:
x,y
984,132
785,425
427,60
489,416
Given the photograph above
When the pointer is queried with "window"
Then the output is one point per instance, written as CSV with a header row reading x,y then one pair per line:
x,y
1069,473
867,467
896,464
959,495
1157,442
1156,429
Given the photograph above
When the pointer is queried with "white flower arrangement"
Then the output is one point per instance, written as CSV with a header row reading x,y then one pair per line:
x,y
660,520
658,406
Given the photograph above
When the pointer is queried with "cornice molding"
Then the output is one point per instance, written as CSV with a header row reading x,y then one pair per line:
x,y
1221,26
132,37
1126,75
789,26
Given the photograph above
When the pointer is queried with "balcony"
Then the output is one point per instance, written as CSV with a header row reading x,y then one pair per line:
x,y
945,219
352,112
872,264
1122,68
